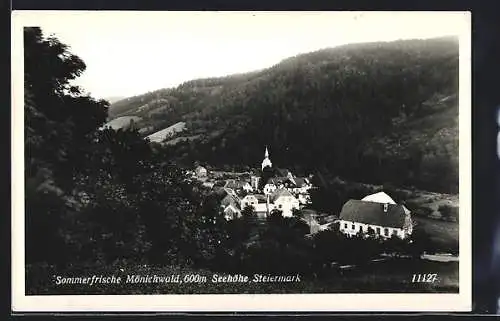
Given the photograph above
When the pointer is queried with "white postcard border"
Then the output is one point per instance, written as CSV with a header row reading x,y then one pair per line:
x,y
237,302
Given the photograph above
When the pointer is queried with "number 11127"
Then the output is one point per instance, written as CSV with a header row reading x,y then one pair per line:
x,y
429,278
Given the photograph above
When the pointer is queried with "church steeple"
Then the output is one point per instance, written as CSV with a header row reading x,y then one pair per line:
x,y
266,162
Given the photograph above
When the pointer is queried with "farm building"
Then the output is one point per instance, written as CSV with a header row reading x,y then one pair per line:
x,y
283,200
384,219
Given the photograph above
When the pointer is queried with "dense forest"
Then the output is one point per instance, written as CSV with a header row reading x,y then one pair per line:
x,y
372,112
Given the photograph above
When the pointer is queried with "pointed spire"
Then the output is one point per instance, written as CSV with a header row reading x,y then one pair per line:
x,y
266,162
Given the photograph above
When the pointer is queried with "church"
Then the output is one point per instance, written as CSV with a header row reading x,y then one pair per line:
x,y
266,162
281,191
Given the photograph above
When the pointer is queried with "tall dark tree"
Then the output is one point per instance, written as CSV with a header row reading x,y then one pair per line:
x,y
58,123
58,116
266,173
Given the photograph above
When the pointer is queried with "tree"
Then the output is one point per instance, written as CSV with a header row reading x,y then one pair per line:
x,y
395,245
297,213
58,117
371,232
275,216
59,121
420,243
265,175
248,213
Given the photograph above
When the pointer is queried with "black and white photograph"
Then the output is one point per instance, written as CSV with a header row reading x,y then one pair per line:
x,y
213,161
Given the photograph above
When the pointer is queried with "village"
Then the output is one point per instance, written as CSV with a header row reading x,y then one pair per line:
x,y
270,190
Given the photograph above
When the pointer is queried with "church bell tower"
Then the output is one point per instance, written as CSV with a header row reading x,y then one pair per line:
x,y
266,162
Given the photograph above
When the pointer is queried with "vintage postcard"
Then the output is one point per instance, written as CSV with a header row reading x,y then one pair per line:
x,y
241,161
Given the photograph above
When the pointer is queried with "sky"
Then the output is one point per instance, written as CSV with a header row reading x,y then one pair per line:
x,y
130,53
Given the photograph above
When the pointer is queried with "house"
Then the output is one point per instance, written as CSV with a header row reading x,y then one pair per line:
x,y
233,184
275,183
238,185
259,202
200,172
231,205
304,199
208,185
247,187
301,185
269,188
284,201
385,219
249,200
231,212
283,172
254,182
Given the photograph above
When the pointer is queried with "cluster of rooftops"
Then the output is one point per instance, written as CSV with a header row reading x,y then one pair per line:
x,y
285,192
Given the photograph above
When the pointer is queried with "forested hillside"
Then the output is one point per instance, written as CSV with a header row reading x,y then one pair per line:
x,y
374,112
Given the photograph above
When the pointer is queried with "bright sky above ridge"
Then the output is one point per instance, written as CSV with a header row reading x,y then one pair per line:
x,y
130,53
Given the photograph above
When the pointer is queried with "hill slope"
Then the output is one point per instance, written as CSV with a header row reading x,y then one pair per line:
x,y
375,112
114,99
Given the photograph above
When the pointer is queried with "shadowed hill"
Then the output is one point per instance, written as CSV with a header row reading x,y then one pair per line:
x,y
377,112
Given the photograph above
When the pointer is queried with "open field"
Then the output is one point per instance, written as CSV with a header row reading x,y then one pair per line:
x,y
121,122
444,235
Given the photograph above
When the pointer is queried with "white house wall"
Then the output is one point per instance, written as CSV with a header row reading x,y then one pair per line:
x,y
231,212
269,188
299,190
286,205
249,200
349,230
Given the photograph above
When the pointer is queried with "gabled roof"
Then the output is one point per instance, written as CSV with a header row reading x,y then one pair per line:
x,y
282,172
232,208
373,213
379,197
250,195
382,197
260,198
231,200
229,191
301,181
281,192
277,180
234,184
